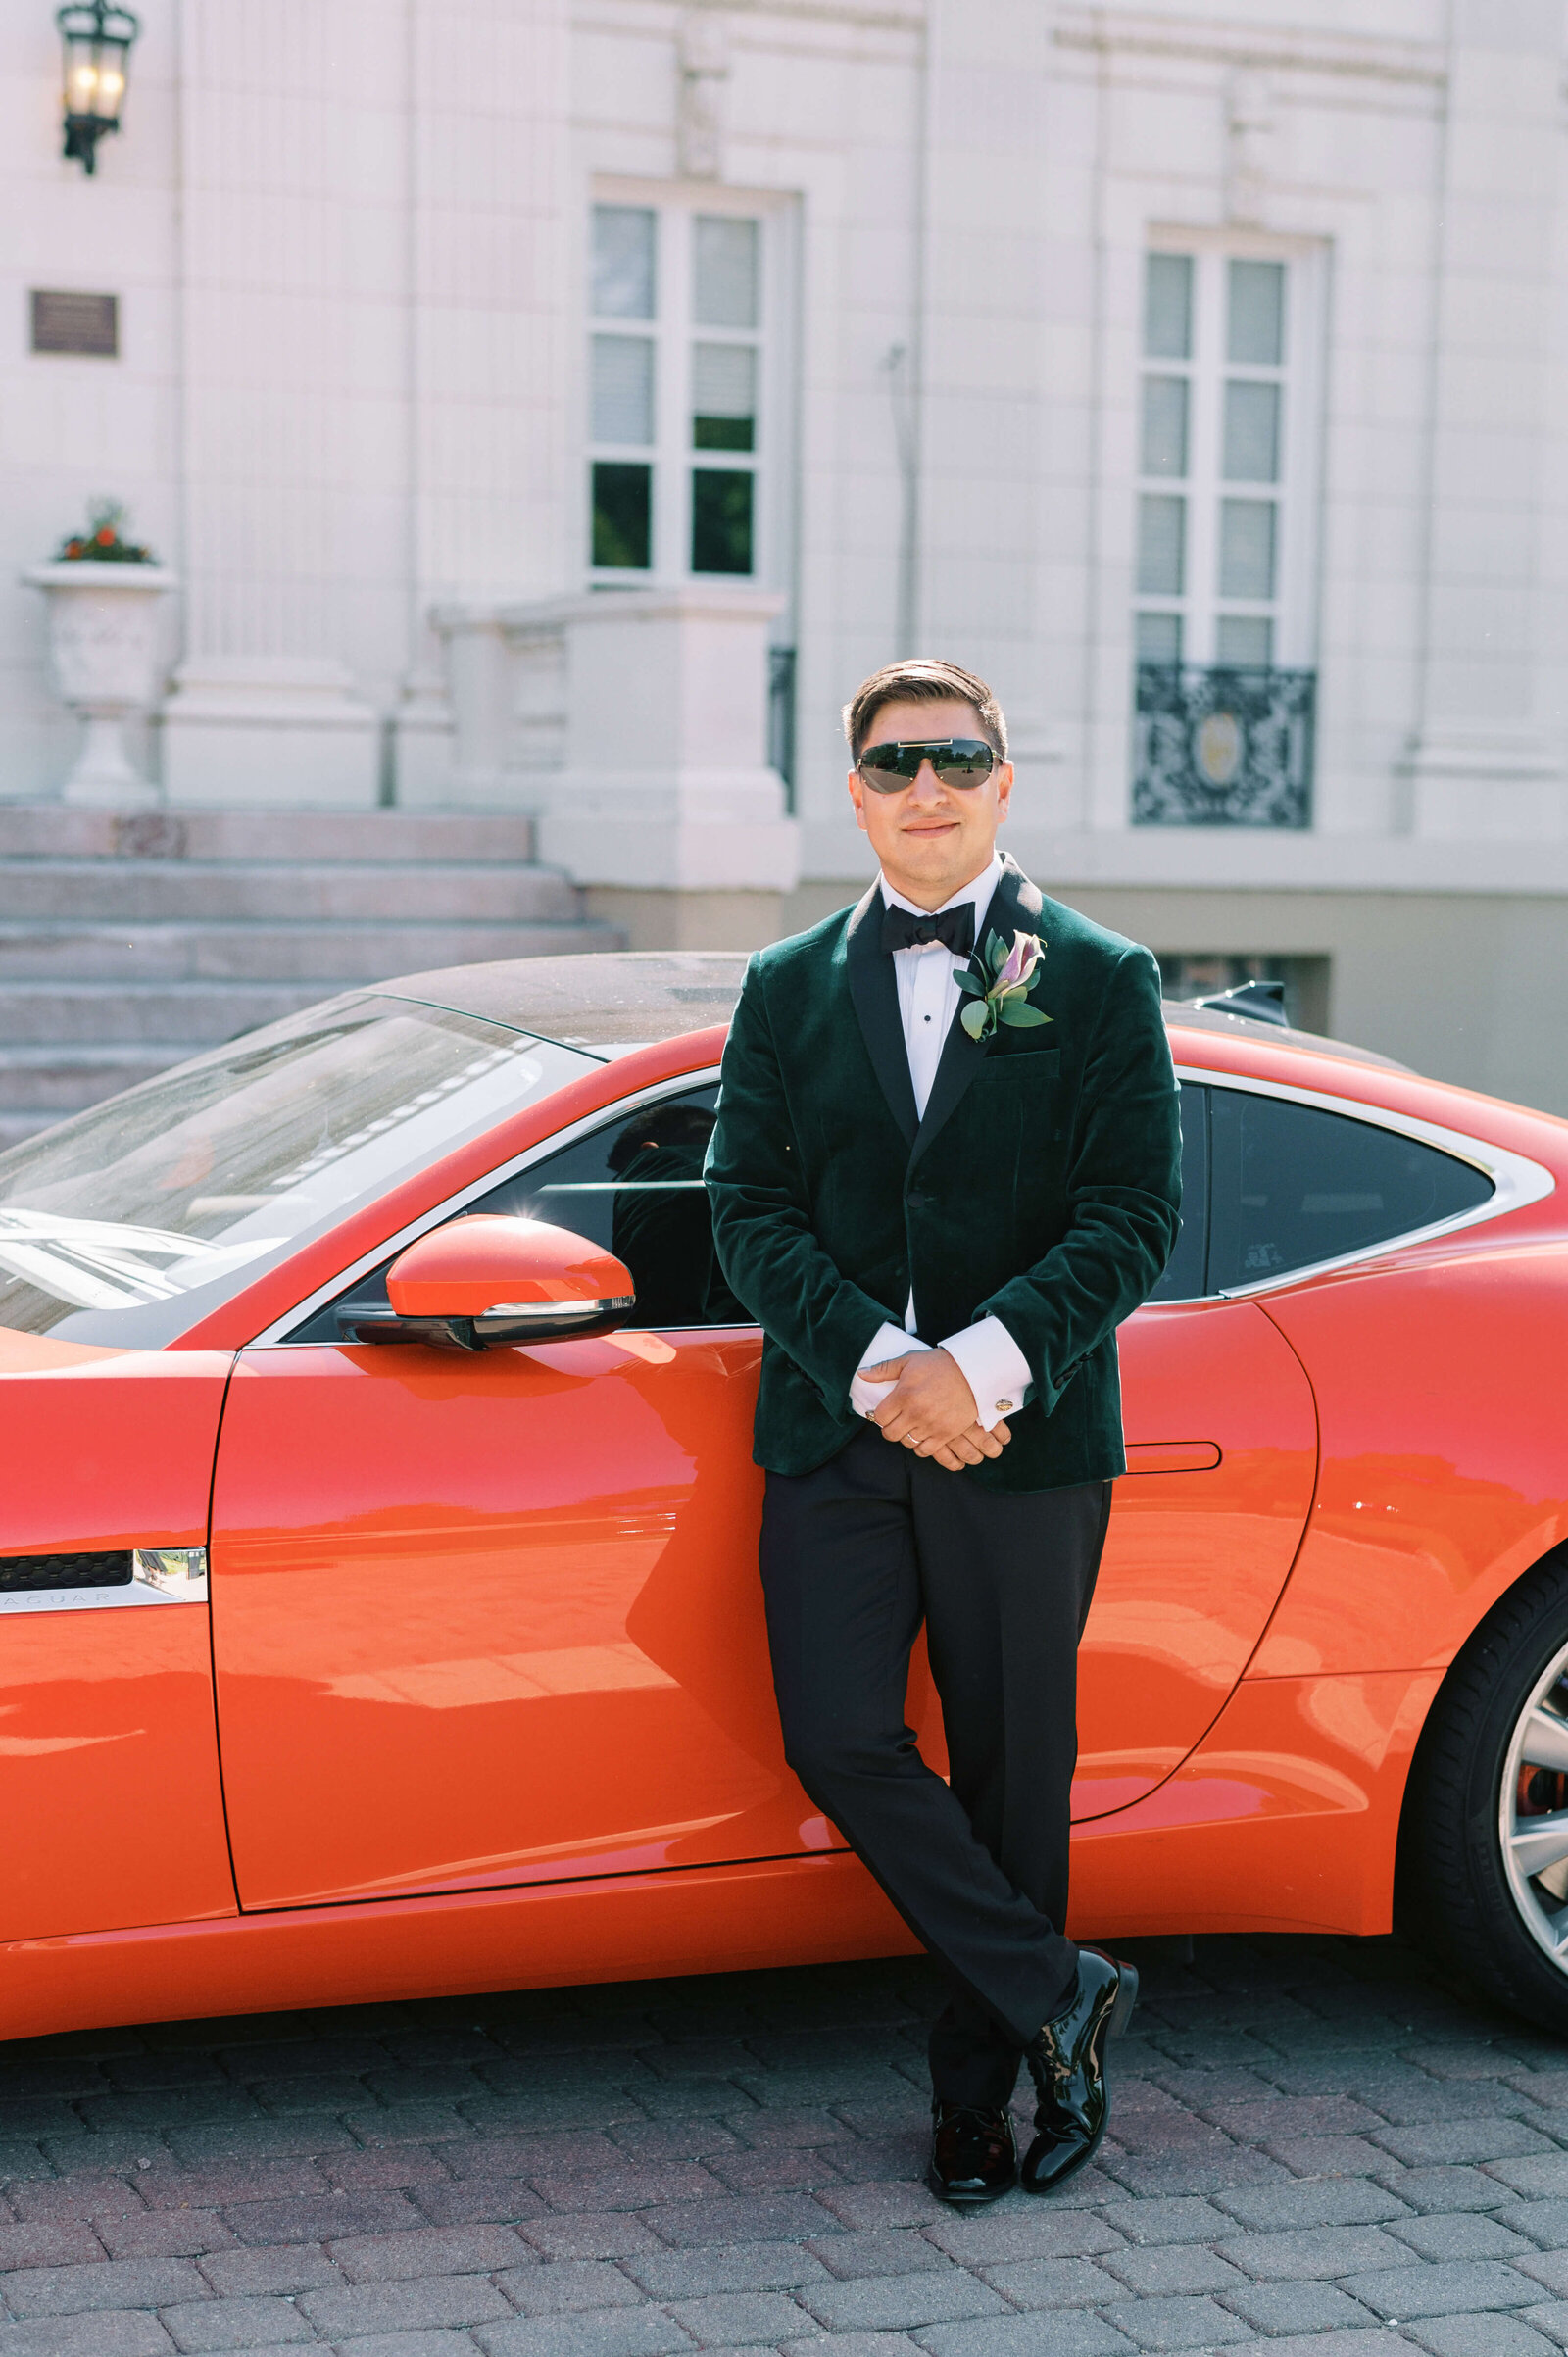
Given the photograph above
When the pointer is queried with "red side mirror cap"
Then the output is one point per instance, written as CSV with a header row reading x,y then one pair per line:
x,y
507,1279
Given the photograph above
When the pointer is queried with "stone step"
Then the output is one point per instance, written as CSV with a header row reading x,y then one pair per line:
x,y
169,891
326,956
131,940
49,830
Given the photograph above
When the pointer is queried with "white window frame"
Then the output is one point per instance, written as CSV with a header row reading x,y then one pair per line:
x,y
1293,610
673,332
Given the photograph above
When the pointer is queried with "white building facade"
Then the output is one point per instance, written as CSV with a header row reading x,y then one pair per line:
x,y
556,407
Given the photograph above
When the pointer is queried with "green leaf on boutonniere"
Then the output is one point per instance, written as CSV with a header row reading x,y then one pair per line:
x,y
997,983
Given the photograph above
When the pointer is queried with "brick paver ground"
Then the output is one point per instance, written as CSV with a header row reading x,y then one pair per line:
x,y
1317,2148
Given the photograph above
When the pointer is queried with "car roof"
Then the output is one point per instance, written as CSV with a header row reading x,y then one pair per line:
x,y
607,1002
610,1001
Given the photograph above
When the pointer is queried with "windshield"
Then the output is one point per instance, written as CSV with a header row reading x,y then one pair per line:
x,y
129,1222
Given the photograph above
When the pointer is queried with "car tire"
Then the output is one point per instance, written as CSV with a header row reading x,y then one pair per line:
x,y
1491,1776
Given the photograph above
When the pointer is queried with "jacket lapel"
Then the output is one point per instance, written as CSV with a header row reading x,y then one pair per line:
x,y
1016,907
875,994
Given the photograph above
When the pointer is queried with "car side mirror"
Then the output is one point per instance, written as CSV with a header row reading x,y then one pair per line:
x,y
490,1279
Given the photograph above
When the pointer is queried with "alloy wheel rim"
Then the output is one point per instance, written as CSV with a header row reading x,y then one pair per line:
x,y
1532,1812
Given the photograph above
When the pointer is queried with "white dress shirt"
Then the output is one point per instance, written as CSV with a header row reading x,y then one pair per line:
x,y
995,1368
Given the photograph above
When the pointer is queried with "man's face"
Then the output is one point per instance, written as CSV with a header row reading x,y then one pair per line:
x,y
931,839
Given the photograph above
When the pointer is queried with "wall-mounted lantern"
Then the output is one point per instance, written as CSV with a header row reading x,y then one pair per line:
x,y
97,40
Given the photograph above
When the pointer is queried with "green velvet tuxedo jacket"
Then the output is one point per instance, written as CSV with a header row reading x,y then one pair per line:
x,y
1042,1186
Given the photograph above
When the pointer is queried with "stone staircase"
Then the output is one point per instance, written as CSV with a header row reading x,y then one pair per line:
x,y
128,942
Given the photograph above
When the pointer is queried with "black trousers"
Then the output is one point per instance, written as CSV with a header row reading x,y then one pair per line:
x,y
854,1556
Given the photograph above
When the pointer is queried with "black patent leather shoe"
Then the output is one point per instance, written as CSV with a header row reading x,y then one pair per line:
x,y
1068,2063
973,2157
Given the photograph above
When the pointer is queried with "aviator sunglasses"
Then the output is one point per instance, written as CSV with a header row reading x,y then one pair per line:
x,y
961,761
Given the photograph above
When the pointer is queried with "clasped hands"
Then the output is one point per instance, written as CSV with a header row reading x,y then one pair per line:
x,y
931,1409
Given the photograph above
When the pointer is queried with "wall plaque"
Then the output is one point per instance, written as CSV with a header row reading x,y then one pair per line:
x,y
66,321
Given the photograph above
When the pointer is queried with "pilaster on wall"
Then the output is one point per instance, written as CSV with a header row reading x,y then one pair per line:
x,y
1481,763
990,372
291,294
489,261
372,355
487,353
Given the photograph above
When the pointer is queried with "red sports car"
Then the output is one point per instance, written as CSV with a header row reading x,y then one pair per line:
x,y
379,1603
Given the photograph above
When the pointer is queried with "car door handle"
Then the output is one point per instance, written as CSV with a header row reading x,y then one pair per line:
x,y
1172,1456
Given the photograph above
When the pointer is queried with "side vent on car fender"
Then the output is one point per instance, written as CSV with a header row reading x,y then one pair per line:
x,y
85,1583
65,1571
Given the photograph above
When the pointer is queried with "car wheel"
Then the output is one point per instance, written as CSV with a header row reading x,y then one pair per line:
x,y
1484,1853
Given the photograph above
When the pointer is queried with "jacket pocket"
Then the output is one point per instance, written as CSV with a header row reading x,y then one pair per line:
x,y
1033,1063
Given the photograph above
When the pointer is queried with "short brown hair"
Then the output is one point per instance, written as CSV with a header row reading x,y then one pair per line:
x,y
922,679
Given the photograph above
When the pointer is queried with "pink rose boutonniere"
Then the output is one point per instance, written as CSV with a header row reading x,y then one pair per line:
x,y
998,983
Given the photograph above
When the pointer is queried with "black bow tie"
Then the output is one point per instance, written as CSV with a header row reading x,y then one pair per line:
x,y
905,929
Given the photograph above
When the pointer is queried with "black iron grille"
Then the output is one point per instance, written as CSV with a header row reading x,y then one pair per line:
x,y
20,1572
1225,747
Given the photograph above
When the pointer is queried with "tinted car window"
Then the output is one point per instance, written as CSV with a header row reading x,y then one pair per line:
x,y
1183,1280
634,1186
1292,1186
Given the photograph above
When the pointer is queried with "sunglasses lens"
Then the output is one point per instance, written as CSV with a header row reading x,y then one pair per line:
x,y
966,761
957,760
889,769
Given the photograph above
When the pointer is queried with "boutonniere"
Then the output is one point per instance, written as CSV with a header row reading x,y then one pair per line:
x,y
998,982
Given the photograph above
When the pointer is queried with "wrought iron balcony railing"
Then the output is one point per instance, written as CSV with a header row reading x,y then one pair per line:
x,y
1225,747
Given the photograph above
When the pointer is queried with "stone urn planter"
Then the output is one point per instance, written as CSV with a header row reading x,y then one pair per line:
x,y
103,642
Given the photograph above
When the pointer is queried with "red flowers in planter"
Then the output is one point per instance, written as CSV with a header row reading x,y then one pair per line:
x,y
103,543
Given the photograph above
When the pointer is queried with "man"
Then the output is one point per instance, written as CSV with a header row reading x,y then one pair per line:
x,y
946,1164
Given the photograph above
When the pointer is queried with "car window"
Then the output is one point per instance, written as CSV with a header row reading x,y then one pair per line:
x,y
1292,1186
1183,1280
634,1186
128,1223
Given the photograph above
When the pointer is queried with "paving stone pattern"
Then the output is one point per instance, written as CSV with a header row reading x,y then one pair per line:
x,y
1318,2148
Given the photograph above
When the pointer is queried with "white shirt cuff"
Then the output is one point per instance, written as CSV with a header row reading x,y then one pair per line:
x,y
994,1368
888,1342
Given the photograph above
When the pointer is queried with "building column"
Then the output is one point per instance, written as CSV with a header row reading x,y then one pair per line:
x,y
1481,761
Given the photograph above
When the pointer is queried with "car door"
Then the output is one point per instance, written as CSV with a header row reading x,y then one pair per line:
x,y
491,1619
1221,1460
